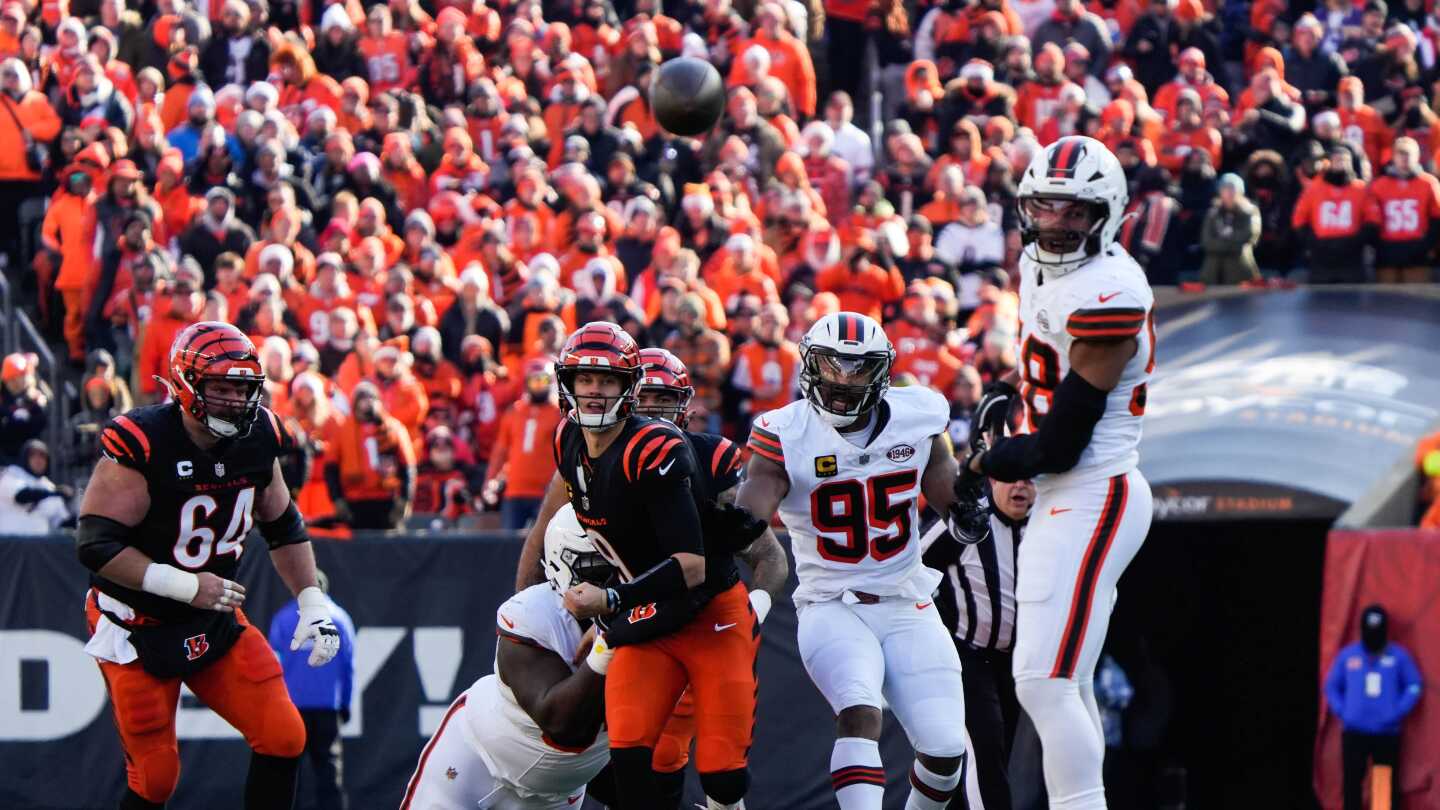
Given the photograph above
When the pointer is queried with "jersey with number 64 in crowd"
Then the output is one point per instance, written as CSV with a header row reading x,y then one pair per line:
x,y
201,501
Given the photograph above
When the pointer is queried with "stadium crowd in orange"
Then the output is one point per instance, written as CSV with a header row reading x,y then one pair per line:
x,y
427,198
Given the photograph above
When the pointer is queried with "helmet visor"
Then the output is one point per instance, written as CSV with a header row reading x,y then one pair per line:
x,y
1061,224
846,383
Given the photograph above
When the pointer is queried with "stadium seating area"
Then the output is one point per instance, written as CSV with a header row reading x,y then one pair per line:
x,y
431,195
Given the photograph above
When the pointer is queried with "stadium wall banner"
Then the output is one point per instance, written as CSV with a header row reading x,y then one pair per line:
x,y
424,612
1398,569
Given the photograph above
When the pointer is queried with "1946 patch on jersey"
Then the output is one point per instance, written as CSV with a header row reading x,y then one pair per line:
x,y
900,452
826,466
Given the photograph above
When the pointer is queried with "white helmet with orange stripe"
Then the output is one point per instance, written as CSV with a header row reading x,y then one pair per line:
x,y
845,362
1072,202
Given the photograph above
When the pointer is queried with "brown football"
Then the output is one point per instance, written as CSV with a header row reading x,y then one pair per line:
x,y
687,96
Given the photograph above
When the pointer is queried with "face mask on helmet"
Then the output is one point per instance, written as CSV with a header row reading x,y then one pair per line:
x,y
1061,230
592,405
844,387
664,402
570,555
229,404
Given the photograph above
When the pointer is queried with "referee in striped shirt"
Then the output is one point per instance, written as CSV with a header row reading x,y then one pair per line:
x,y
976,599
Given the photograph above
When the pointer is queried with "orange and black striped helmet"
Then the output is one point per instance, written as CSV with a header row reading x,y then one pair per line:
x,y
216,377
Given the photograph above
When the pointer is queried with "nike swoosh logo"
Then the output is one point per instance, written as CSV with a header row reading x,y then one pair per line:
x,y
764,422
1054,511
507,622
574,798
1105,299
664,468
720,628
921,605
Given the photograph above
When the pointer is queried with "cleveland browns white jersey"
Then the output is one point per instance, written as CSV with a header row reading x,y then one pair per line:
x,y
513,747
1108,296
852,511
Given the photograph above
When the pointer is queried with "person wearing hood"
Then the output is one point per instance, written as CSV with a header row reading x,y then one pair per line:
x,y
238,54
300,81
29,124
30,503
1372,686
1409,202
473,313
453,64
1228,237
370,472
200,127
69,229
215,231
181,306
1336,218
337,49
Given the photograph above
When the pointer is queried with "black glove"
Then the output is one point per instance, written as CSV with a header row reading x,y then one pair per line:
x,y
968,517
992,414
730,527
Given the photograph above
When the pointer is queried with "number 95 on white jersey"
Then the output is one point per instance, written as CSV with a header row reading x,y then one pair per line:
x,y
852,511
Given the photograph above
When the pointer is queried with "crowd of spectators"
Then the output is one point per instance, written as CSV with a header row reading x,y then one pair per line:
x,y
410,204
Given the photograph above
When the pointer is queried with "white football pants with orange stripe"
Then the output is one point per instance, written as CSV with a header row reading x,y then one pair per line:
x,y
1080,538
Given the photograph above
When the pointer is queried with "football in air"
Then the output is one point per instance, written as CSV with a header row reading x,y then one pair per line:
x,y
687,96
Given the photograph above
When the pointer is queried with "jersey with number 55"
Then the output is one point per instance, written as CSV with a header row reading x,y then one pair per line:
x,y
852,509
1107,298
202,502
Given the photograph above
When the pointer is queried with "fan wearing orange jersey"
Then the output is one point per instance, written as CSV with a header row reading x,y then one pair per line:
x,y
522,461
371,473
1409,202
767,369
1337,216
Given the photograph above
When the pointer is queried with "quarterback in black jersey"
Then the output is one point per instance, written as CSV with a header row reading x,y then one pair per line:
x,y
162,528
665,393
633,483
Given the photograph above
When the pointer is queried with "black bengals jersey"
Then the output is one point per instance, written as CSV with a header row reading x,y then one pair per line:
x,y
717,463
202,502
640,501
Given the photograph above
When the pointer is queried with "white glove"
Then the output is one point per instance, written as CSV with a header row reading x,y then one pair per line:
x,y
316,625
600,655
760,600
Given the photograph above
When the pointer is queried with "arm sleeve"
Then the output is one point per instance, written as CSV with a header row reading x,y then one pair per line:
x,y
1062,438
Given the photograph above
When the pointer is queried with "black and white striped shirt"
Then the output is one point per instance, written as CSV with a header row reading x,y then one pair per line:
x,y
976,598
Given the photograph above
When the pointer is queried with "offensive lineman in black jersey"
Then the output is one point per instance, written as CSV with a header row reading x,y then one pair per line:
x,y
161,529
631,482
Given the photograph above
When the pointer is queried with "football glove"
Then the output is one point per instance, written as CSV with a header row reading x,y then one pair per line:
x,y
992,414
731,526
968,517
316,626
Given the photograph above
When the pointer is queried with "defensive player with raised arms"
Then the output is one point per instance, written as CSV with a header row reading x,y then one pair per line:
x,y
1086,354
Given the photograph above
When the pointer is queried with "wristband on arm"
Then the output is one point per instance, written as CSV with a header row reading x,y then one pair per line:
x,y
659,583
171,583
285,530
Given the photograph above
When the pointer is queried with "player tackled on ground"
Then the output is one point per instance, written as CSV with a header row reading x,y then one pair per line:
x,y
1087,352
162,528
631,482
845,467
529,736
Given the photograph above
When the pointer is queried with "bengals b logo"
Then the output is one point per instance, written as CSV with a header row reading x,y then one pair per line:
x,y
196,646
642,613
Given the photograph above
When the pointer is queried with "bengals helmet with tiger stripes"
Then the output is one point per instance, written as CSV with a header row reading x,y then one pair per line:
x,y
600,347
211,352
661,370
